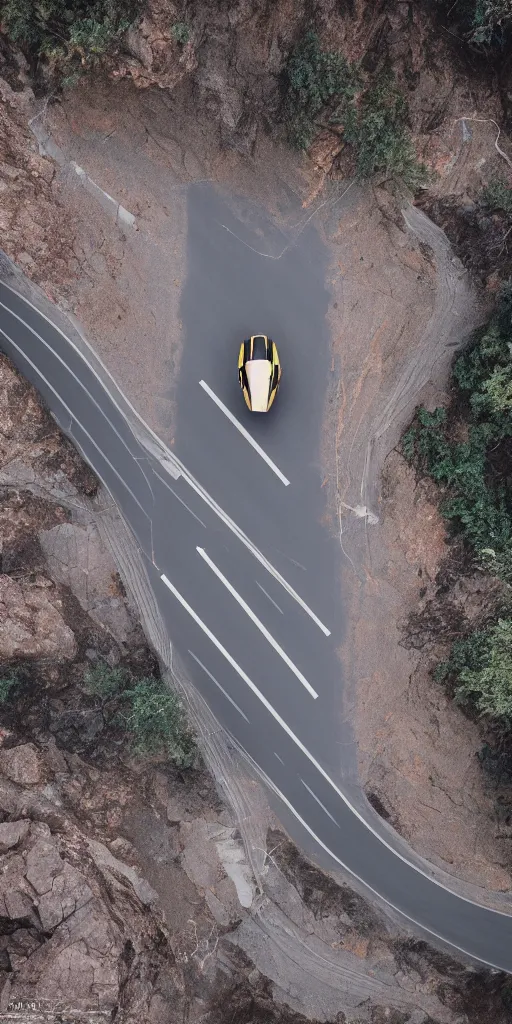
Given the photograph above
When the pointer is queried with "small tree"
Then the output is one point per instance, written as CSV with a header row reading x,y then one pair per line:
x,y
154,715
150,711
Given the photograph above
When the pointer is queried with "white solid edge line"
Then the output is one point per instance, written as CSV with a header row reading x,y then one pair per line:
x,y
368,887
68,370
257,622
245,433
183,503
320,804
173,459
74,420
221,688
295,739
271,599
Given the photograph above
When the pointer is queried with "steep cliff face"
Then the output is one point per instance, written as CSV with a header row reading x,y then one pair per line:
x,y
236,52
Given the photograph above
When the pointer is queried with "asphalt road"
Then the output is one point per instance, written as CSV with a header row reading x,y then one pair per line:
x,y
256,622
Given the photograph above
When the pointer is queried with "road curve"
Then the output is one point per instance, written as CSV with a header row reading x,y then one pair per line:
x,y
245,578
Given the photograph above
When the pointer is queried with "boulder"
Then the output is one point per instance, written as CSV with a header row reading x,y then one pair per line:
x,y
31,622
12,833
21,764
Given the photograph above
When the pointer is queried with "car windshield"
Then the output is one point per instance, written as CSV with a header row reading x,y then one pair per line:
x,y
259,350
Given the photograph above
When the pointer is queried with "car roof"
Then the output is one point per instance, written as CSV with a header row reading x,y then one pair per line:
x,y
258,376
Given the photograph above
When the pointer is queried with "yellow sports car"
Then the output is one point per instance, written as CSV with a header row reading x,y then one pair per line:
x,y
259,372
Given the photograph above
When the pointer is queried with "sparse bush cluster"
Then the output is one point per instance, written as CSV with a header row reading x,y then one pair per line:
x,y
147,709
475,474
497,196
67,37
320,86
324,90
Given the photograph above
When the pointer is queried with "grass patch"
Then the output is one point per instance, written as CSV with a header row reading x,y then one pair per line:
x,y
324,90
147,709
104,681
65,38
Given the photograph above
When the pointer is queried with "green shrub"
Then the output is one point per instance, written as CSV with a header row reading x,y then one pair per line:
x,y
485,24
378,130
489,351
478,494
481,513
67,36
497,195
491,21
180,32
467,653
323,89
317,83
103,681
147,709
94,38
477,499
7,685
498,563
154,715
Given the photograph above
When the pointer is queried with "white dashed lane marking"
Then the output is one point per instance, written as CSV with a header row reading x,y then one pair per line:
x,y
245,433
257,622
